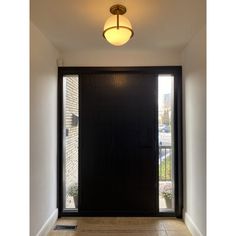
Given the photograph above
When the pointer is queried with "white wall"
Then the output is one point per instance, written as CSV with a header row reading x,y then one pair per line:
x,y
194,103
43,129
122,56
43,118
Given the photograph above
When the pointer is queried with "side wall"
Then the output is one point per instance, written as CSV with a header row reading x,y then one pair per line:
x,y
43,130
194,103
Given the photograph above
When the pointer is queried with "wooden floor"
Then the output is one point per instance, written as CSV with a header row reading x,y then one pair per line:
x,y
122,226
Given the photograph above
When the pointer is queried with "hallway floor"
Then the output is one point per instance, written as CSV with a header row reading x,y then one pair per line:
x,y
122,226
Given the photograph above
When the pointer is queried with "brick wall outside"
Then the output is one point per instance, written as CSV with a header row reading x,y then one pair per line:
x,y
72,138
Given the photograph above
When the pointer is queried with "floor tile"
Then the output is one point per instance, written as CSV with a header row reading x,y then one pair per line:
x,y
122,226
178,233
174,224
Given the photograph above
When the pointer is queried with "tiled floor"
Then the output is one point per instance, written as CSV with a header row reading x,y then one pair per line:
x,y
122,226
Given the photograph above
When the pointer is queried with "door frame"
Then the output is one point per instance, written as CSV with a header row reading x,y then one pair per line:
x,y
176,71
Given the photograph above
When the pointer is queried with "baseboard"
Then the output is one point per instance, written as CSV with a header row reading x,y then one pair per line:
x,y
191,225
47,226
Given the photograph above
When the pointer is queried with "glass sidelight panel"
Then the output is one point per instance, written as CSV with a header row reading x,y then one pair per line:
x,y
70,141
166,143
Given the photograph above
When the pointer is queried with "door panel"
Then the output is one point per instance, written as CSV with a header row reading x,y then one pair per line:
x,y
118,158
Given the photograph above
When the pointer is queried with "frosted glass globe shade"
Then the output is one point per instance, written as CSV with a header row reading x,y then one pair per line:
x,y
117,35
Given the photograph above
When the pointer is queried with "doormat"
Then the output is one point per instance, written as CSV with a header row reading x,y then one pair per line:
x,y
65,227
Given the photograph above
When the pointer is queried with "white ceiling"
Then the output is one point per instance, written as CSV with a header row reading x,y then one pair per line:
x,y
73,25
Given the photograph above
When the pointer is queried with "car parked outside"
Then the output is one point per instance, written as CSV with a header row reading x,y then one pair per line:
x,y
164,128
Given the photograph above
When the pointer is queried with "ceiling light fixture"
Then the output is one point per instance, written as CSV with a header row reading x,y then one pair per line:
x,y
117,29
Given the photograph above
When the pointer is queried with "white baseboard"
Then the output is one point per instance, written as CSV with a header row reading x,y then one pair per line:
x,y
47,226
191,225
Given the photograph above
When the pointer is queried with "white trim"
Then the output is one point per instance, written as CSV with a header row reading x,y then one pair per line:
x,y
47,226
191,225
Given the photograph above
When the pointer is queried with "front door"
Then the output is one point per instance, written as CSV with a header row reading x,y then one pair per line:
x,y
117,140
120,141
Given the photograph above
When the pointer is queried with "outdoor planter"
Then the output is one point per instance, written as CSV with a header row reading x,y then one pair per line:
x,y
75,201
168,203
166,192
73,192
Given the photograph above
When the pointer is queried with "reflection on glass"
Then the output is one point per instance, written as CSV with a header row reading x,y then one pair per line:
x,y
71,141
165,134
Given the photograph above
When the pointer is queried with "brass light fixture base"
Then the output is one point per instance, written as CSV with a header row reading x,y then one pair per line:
x,y
118,9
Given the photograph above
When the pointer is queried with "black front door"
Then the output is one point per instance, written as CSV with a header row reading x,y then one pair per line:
x,y
117,144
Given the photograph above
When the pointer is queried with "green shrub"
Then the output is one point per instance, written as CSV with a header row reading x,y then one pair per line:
x,y
165,169
73,190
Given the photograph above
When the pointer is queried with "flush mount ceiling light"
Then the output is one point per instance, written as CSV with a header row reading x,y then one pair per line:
x,y
117,29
